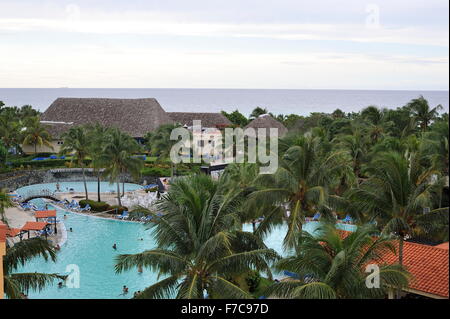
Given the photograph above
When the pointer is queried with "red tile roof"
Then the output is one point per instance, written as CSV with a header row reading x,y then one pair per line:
x,y
12,232
34,226
443,246
45,213
427,264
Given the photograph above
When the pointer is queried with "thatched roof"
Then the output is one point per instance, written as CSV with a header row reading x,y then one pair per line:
x,y
266,121
208,119
133,116
56,129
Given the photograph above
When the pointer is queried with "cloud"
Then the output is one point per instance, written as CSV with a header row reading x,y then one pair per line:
x,y
74,20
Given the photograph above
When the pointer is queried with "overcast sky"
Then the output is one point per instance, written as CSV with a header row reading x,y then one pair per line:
x,y
347,44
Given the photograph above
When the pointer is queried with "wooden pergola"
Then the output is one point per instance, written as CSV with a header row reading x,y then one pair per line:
x,y
36,226
46,214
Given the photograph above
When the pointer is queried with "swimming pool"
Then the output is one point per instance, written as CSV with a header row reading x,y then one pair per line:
x,y
77,187
89,250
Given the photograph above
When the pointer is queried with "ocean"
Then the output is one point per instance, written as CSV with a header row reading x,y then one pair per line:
x,y
300,102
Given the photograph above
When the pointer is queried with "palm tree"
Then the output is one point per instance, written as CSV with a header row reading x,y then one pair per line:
x,y
242,178
10,131
396,195
422,112
200,247
159,142
299,186
435,145
376,121
356,147
258,111
18,255
117,157
97,135
77,143
5,202
36,134
330,266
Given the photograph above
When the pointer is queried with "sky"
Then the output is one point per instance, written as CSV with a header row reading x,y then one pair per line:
x,y
273,44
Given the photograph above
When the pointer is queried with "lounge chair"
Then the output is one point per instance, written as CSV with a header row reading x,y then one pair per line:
x,y
291,274
86,208
347,220
316,217
124,215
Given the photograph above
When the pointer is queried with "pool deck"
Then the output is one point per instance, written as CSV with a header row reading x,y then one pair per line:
x,y
17,217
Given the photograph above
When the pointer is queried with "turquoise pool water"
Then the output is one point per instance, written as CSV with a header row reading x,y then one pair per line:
x,y
77,187
89,248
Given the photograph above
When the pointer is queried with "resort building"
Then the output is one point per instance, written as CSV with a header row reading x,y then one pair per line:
x,y
208,120
135,117
267,122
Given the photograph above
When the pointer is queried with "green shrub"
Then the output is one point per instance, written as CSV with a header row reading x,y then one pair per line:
x,y
155,171
50,163
253,279
95,206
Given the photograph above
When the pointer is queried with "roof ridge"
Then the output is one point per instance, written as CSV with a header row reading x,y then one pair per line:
x,y
424,245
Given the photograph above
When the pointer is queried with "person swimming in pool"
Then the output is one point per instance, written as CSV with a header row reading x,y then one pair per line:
x,y
114,247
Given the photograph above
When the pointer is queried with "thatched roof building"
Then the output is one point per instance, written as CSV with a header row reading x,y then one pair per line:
x,y
266,121
133,116
216,120
56,129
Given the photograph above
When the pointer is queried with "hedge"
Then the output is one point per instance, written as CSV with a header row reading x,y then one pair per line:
x,y
95,206
50,163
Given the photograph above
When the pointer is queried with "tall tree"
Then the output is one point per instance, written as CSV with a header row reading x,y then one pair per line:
x,y
299,187
422,112
160,144
236,117
18,255
258,111
330,267
5,202
98,137
395,195
36,134
117,157
200,247
77,143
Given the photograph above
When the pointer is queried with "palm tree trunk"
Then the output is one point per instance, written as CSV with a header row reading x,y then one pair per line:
x,y
84,180
98,187
123,186
35,148
118,193
400,261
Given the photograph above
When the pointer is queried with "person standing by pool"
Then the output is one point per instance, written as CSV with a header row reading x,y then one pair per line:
x,y
57,187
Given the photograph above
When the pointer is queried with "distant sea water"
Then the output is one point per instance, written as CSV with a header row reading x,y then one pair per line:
x,y
301,102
